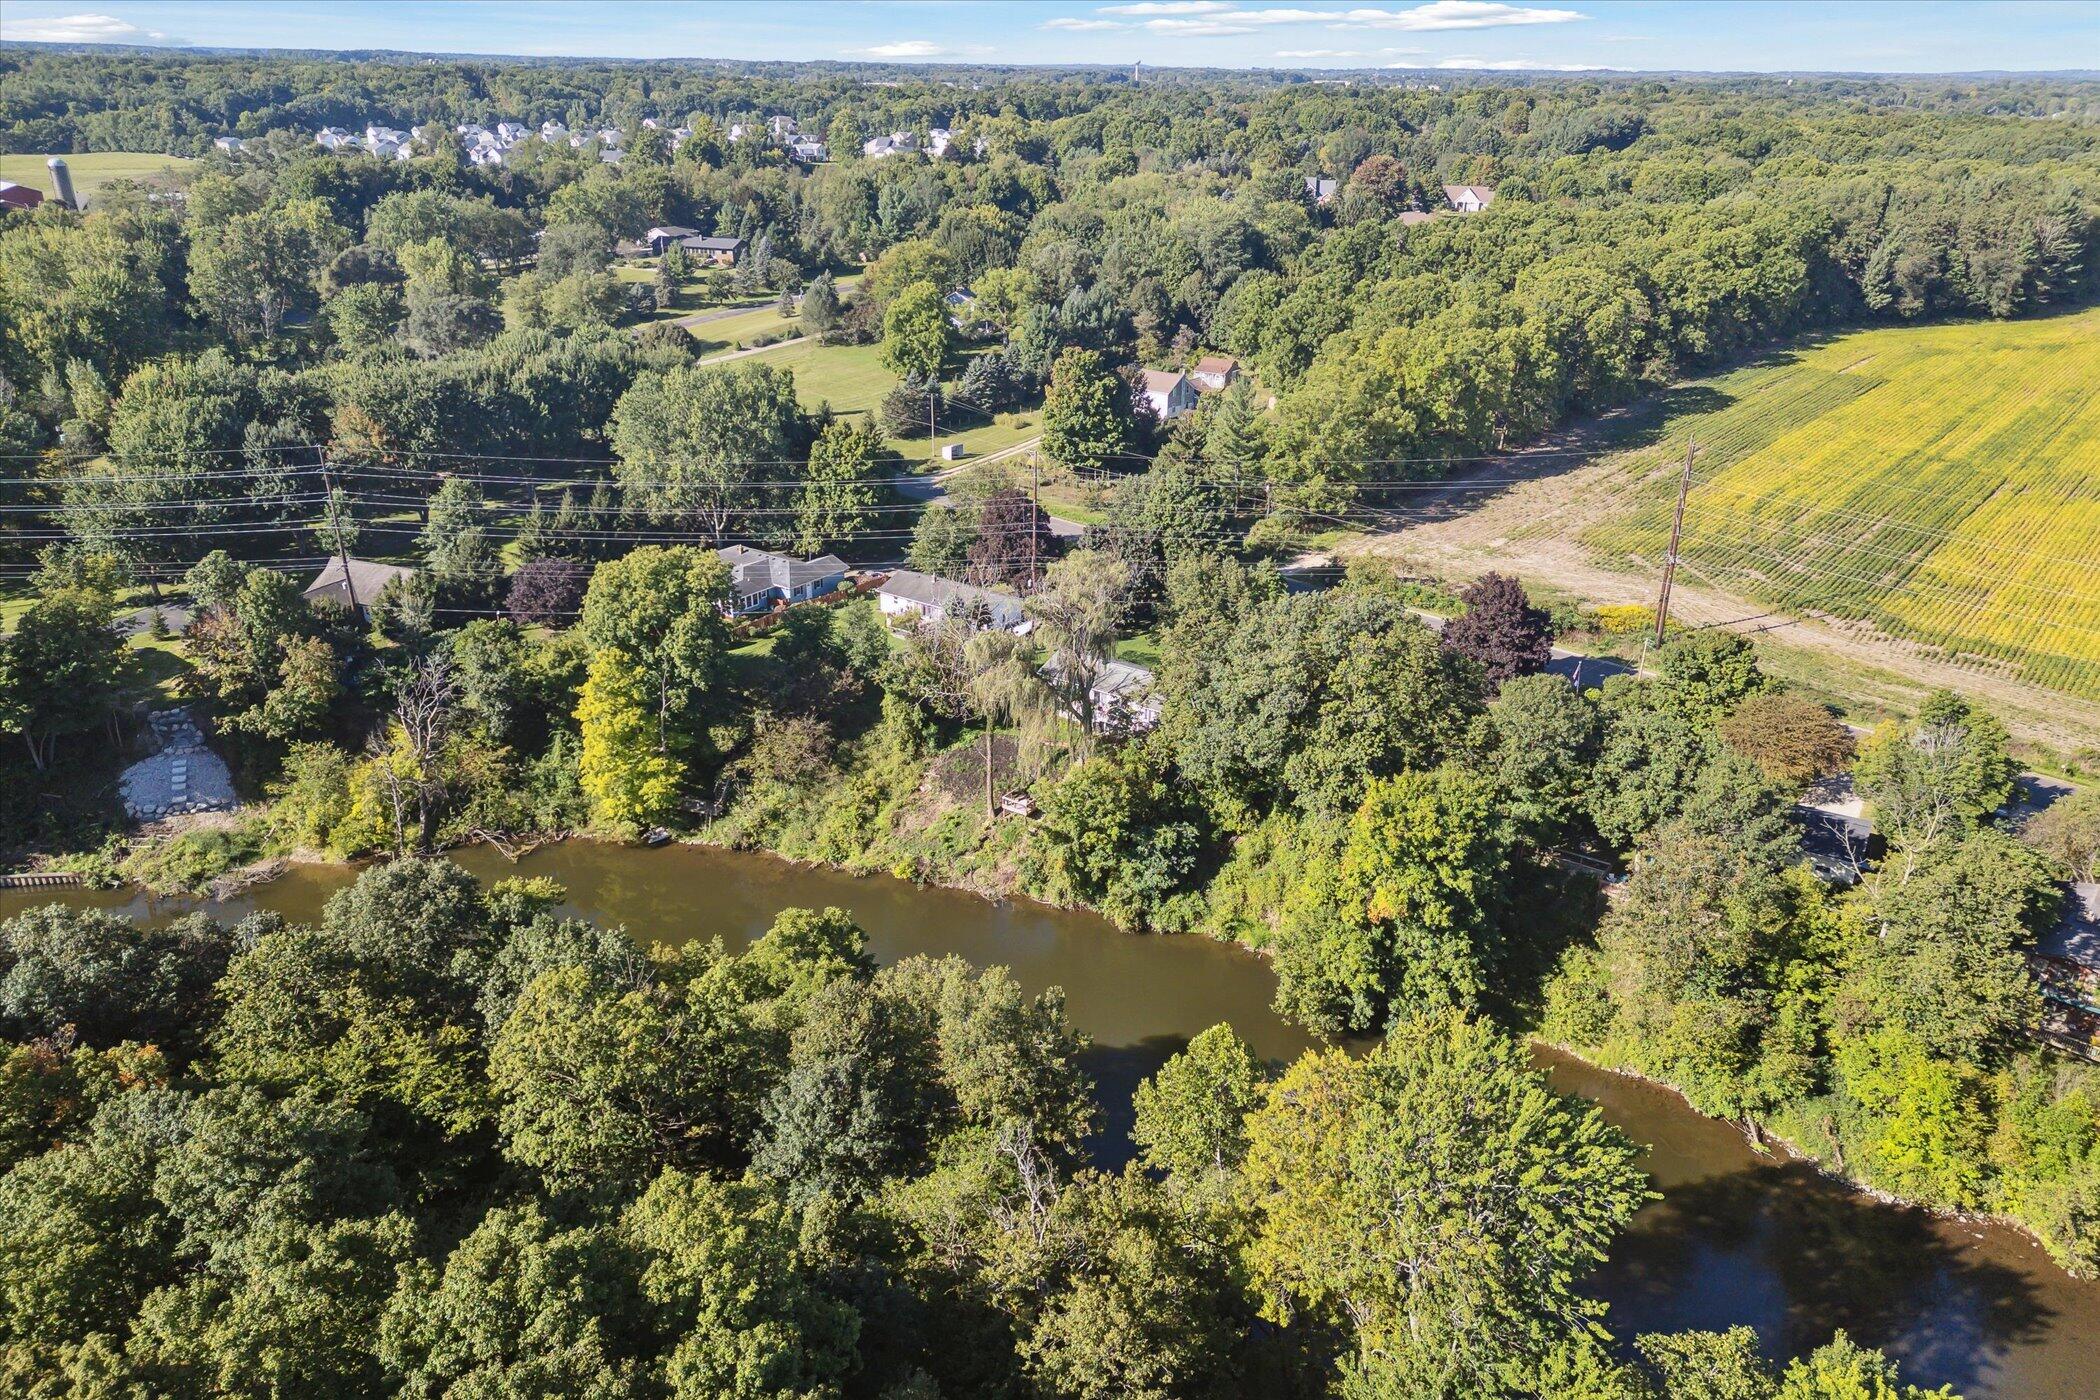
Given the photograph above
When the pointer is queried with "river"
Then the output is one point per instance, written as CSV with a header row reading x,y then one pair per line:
x,y
1735,1239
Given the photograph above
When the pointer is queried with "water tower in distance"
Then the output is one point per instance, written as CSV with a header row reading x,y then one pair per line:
x,y
62,183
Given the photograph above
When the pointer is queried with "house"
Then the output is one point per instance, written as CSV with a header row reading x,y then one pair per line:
x,y
342,581
231,145
782,127
876,147
510,133
937,141
485,155
2066,965
929,598
1320,189
809,151
1215,372
552,131
333,138
1469,199
962,310
14,196
719,251
1168,391
664,235
1410,217
759,579
1122,700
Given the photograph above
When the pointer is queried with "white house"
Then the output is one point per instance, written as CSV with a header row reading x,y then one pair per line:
x,y
552,131
1469,199
937,141
782,127
1320,189
1169,392
485,155
1215,372
962,310
876,147
809,151
760,578
1122,699
229,144
912,596
510,133
333,138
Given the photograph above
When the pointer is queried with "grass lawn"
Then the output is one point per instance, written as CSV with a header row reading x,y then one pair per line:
x,y
852,380
735,332
1141,650
90,172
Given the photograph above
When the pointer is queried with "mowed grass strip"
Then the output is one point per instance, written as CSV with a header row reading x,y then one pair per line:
x,y
91,171
1940,482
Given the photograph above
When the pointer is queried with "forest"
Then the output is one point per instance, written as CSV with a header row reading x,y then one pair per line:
x,y
449,1138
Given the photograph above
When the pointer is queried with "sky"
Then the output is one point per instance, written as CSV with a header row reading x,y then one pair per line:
x,y
1888,36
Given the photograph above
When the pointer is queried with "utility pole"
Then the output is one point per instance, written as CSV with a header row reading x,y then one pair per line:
x,y
1035,511
1684,489
335,531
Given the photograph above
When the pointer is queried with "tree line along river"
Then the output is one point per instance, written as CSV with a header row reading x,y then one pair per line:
x,y
1736,1238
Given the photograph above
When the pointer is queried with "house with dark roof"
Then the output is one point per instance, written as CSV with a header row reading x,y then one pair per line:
x,y
721,252
759,579
348,583
911,596
1320,188
664,235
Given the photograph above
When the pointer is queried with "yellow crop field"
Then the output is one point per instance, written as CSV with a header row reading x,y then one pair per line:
x,y
1940,482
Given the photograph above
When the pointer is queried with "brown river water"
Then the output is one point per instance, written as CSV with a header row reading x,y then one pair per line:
x,y
1737,1238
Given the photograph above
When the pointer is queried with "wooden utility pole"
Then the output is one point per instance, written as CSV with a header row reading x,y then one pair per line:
x,y
1035,511
335,531
1684,489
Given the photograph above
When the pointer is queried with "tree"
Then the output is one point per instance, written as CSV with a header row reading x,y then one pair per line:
x,y
547,592
1077,611
1087,414
98,977
1844,1370
854,1107
691,442
1120,833
1011,541
1500,629
1793,739
1192,1115
61,672
456,546
249,272
661,607
2068,831
820,307
1707,673
839,500
916,339
1932,779
1539,737
941,540
1437,1200
1405,923
624,769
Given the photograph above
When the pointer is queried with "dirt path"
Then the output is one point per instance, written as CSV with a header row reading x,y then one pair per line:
x,y
1524,513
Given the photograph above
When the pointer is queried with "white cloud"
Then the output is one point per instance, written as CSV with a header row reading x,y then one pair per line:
x,y
1521,65
1436,15
906,48
1199,28
1080,25
1169,7
1321,53
81,29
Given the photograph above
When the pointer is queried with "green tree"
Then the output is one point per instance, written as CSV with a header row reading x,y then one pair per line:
x,y
1538,740
916,339
624,768
1086,415
251,271
662,608
61,672
1192,1115
1933,778
840,498
692,442
1709,672
1437,1200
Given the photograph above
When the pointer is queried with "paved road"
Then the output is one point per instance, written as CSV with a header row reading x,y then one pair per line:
x,y
933,486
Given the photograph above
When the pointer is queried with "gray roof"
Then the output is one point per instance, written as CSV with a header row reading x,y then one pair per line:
x,y
755,570
711,244
933,591
367,575
2077,937
1122,678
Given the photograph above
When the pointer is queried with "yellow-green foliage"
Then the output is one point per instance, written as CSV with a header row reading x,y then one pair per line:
x,y
627,779
1940,482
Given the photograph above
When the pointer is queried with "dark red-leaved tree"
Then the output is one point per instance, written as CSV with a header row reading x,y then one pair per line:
x,y
1012,535
1500,629
548,591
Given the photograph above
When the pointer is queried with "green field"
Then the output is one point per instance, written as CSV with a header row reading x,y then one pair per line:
x,y
852,380
90,172
1941,483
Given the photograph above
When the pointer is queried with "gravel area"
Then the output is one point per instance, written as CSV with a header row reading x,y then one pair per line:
x,y
184,776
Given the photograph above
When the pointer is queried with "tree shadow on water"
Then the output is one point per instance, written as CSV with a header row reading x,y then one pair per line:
x,y
1117,1070
1797,1256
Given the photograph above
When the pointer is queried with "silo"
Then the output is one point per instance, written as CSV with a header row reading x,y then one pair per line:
x,y
62,183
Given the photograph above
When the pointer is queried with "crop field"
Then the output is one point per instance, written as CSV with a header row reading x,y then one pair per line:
x,y
1940,483
91,171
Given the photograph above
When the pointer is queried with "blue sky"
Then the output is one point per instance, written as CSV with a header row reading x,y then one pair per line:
x,y
1540,35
